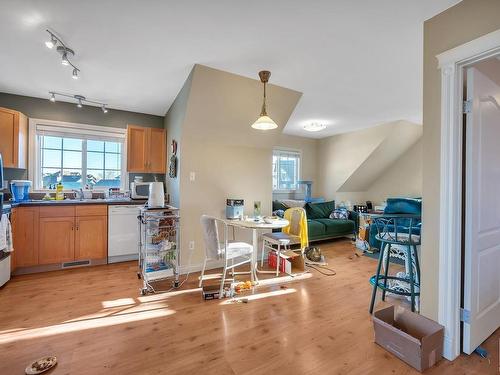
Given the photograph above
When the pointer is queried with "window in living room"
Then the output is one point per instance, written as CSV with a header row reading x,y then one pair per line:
x,y
286,167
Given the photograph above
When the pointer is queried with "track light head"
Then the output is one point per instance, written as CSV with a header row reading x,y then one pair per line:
x,y
104,109
75,73
52,97
64,59
51,43
79,98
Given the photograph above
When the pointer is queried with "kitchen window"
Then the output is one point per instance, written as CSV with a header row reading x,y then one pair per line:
x,y
77,156
286,167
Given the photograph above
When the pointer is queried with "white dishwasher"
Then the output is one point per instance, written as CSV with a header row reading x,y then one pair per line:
x,y
123,232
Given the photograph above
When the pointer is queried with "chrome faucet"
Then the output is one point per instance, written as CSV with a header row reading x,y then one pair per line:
x,y
78,194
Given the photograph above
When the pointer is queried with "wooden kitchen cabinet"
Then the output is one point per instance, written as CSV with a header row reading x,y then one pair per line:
x,y
91,241
25,235
146,149
14,138
57,240
46,236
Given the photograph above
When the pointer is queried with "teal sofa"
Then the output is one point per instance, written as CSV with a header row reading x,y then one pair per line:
x,y
320,226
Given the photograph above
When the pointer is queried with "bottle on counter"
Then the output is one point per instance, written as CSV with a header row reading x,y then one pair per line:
x,y
59,192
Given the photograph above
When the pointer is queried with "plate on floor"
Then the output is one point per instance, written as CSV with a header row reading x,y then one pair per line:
x,y
41,365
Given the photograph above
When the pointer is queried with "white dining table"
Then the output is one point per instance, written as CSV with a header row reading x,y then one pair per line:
x,y
255,227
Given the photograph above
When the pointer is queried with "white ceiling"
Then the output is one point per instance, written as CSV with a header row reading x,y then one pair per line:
x,y
358,63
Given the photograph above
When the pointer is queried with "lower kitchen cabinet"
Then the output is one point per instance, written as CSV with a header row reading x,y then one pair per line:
x,y
25,233
91,239
46,236
57,240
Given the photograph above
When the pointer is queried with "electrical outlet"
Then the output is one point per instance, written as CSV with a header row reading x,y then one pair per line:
x,y
192,176
191,245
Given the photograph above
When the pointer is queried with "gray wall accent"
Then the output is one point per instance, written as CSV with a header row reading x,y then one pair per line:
x,y
68,112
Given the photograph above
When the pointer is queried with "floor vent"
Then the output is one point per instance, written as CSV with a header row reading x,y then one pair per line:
x,y
77,263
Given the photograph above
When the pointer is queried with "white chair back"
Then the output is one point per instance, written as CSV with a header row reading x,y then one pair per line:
x,y
210,236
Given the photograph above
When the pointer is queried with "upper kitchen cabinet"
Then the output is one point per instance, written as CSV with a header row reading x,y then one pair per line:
x,y
146,149
14,139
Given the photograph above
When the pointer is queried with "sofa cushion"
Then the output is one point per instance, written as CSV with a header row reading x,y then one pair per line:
x,y
315,229
336,227
321,210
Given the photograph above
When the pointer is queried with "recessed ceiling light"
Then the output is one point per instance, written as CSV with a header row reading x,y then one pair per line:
x,y
314,127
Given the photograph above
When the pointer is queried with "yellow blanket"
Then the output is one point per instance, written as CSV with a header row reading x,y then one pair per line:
x,y
297,218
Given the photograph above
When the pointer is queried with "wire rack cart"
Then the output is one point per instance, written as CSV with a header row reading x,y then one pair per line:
x,y
158,247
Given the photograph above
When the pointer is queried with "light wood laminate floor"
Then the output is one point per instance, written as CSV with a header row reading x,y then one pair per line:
x,y
95,322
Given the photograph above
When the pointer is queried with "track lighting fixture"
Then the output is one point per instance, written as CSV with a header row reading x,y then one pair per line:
x,y
66,52
80,100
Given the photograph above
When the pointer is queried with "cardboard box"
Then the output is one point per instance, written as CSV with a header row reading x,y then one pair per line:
x,y
411,337
364,233
290,262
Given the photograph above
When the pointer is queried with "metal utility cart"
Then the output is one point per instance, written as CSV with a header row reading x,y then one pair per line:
x,y
158,247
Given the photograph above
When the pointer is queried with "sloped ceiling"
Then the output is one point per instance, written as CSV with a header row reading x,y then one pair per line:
x,y
395,144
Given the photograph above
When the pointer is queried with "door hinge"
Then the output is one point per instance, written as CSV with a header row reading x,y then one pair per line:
x,y
465,316
467,107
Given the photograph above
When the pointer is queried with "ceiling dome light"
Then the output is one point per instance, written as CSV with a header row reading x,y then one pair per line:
x,y
75,73
104,109
264,122
314,127
52,97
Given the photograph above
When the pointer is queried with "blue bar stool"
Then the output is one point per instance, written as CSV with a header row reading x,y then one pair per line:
x,y
397,230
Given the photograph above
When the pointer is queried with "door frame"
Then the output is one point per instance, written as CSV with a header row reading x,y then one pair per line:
x,y
452,64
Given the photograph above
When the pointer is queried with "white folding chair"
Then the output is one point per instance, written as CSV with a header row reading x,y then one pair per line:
x,y
227,250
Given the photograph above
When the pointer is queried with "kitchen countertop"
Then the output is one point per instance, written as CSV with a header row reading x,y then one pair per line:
x,y
78,202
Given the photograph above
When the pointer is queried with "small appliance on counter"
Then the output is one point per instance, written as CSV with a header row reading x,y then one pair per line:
x,y
234,208
139,190
156,198
20,190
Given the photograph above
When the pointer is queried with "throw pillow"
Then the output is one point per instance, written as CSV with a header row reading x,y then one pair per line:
x,y
340,214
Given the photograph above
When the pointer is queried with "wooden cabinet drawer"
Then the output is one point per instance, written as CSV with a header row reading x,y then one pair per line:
x,y
62,211
92,210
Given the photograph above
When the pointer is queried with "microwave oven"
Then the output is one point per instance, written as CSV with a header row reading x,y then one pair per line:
x,y
139,190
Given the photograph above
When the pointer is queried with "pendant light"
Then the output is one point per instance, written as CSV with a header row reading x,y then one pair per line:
x,y
264,122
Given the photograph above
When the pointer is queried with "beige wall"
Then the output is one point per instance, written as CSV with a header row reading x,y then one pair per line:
x,y
402,179
361,165
464,22
228,157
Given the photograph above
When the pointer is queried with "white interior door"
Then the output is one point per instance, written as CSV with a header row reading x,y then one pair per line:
x,y
482,226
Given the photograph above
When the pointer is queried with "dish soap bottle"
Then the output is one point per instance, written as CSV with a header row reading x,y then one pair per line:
x,y
59,192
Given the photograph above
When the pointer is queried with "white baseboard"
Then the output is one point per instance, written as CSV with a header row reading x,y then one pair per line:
x,y
213,264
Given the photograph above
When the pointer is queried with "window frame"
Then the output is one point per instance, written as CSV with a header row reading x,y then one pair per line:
x,y
72,130
282,150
